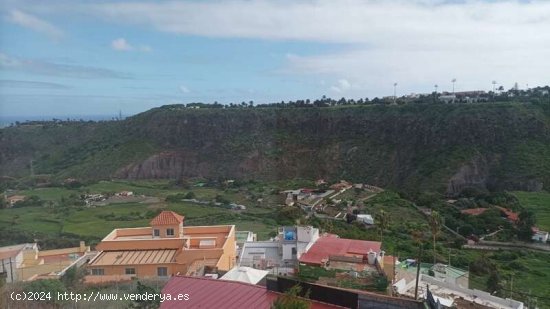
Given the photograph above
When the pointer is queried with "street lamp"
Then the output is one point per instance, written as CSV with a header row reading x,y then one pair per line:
x,y
453,81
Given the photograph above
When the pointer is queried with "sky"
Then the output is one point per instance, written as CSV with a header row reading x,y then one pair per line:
x,y
85,57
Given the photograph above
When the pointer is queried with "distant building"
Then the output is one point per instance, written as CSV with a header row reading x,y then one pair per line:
x,y
366,219
474,211
447,98
25,262
11,200
163,249
451,294
243,237
540,236
341,186
513,217
280,255
331,247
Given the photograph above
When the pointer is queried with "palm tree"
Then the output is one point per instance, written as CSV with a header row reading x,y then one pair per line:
x,y
383,222
435,226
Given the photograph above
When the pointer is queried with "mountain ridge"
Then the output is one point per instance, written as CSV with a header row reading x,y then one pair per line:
x,y
435,147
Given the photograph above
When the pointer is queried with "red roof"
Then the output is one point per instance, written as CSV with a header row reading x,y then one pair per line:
x,y
512,216
474,211
213,293
167,218
330,245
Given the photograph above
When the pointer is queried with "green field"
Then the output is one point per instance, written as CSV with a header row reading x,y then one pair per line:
x,y
93,223
539,203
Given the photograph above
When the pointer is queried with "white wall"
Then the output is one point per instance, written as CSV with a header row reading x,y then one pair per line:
x,y
287,251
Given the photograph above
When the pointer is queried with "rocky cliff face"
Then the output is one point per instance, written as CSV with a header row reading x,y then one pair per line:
x,y
431,147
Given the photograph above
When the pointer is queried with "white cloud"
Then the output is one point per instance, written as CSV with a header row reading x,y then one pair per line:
x,y
56,69
184,89
372,43
121,44
36,24
341,86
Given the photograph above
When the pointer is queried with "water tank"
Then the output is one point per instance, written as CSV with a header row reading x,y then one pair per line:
x,y
289,235
371,257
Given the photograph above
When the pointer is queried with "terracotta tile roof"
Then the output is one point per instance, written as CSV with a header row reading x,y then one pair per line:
x,y
512,216
330,246
131,257
474,211
167,217
213,293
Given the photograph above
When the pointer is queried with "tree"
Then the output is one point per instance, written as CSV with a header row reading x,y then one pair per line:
x,y
493,282
382,223
145,303
525,225
48,286
435,222
291,300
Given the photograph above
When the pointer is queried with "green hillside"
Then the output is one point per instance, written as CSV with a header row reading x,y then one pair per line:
x,y
411,148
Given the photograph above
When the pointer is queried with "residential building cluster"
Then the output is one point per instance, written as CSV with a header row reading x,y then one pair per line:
x,y
222,267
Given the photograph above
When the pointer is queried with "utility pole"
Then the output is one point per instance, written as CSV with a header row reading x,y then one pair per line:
x,y
32,169
394,93
417,273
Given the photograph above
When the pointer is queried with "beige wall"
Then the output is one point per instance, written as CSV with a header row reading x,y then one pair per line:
x,y
27,272
162,229
228,259
141,244
142,271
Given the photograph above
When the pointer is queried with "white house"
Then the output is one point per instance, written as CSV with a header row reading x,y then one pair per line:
x,y
540,236
366,219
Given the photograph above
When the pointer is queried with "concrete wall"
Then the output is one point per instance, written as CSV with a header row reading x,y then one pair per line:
x,y
307,233
385,302
9,266
27,272
479,294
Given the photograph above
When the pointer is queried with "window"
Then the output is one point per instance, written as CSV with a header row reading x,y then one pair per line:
x,y
156,232
294,251
169,232
130,271
98,271
207,243
162,271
